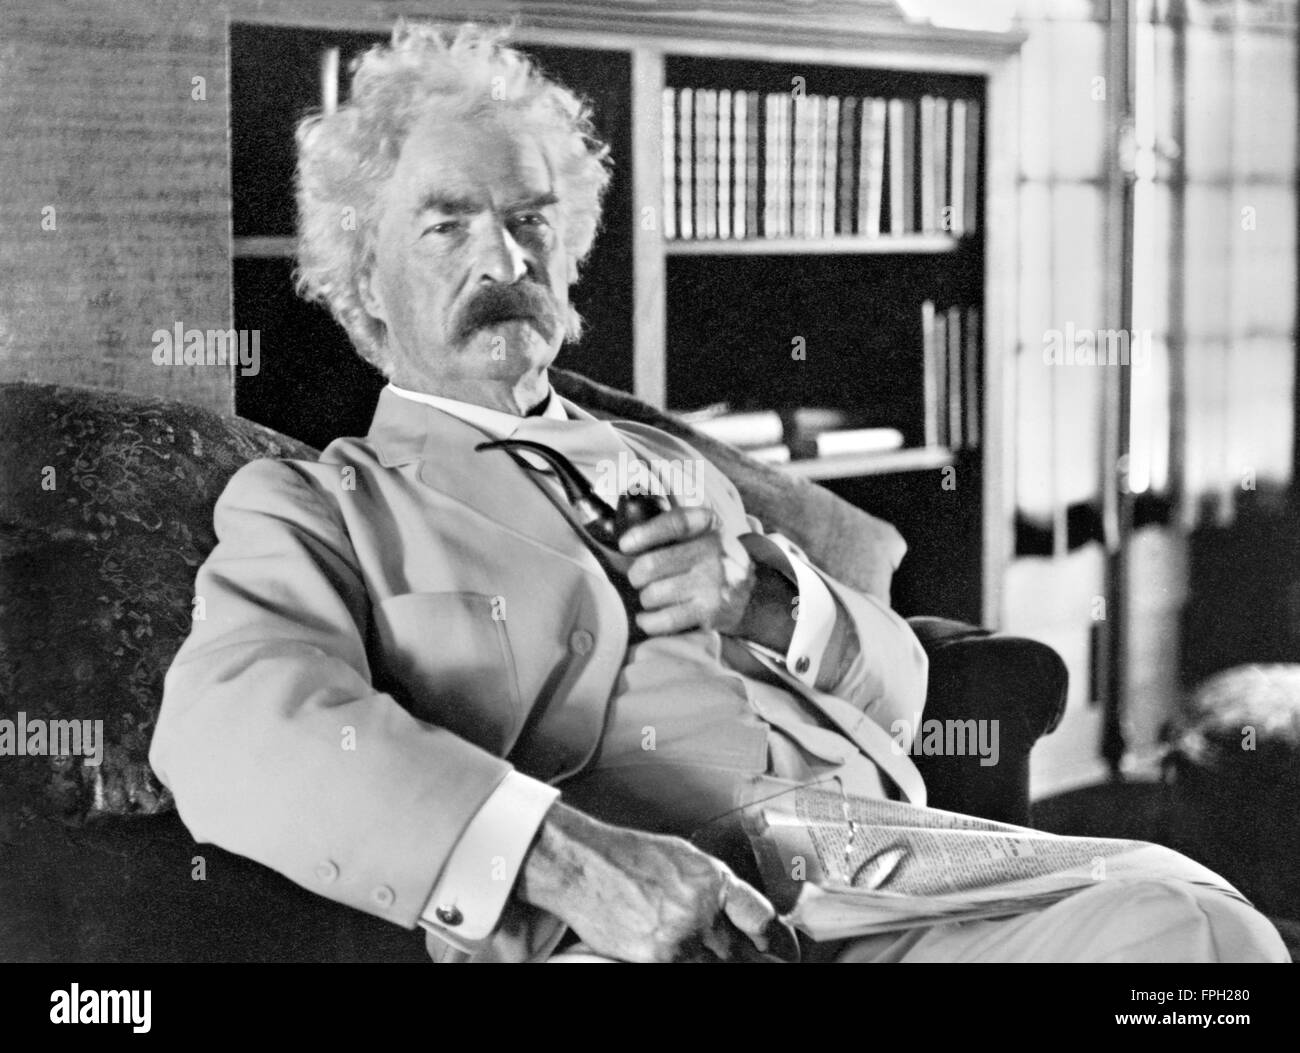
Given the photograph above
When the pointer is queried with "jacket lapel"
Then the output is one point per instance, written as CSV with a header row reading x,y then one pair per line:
x,y
488,482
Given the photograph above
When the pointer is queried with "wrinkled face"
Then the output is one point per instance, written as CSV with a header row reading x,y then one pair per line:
x,y
470,273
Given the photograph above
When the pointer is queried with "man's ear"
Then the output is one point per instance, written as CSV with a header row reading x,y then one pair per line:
x,y
371,298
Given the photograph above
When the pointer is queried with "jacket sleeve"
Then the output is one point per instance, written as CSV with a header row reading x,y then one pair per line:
x,y
887,678
271,736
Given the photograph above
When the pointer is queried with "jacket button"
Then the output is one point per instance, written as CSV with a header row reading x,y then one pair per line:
x,y
326,871
384,896
801,664
449,915
581,641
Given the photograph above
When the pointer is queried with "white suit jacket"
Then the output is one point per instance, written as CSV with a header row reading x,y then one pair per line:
x,y
352,696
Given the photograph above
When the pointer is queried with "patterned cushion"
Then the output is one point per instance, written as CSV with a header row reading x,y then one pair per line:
x,y
105,515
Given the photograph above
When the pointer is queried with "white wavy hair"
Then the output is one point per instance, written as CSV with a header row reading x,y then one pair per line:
x,y
345,157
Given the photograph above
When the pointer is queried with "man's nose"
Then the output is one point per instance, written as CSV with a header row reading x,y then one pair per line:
x,y
500,258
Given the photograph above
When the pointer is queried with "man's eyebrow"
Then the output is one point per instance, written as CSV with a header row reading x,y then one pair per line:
x,y
453,205
536,201
449,204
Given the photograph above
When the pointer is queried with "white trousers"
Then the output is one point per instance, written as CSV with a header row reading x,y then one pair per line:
x,y
1115,920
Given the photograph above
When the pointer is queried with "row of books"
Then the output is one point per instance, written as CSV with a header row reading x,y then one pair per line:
x,y
795,434
951,386
738,164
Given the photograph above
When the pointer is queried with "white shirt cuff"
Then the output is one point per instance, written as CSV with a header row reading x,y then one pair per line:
x,y
816,613
476,882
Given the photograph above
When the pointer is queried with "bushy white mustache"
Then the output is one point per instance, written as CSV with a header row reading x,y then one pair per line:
x,y
499,303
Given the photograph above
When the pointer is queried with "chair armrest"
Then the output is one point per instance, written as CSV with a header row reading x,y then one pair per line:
x,y
977,675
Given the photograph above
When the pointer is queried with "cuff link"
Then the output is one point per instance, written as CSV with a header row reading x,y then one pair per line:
x,y
449,916
801,664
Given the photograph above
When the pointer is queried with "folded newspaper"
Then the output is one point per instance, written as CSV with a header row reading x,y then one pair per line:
x,y
844,866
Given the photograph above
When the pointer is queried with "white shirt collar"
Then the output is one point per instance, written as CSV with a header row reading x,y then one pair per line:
x,y
495,422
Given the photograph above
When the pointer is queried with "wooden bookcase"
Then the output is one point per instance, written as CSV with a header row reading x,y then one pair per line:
x,y
685,322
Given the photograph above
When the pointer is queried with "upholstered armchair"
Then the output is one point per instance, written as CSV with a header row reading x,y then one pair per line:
x,y
106,514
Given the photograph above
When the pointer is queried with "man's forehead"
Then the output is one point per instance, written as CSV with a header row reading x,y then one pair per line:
x,y
462,161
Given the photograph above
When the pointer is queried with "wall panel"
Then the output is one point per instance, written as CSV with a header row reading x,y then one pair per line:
x,y
99,121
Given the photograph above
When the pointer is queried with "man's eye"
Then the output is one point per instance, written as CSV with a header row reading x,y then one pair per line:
x,y
530,219
446,226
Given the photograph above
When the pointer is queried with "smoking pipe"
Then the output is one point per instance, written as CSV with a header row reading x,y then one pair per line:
x,y
603,524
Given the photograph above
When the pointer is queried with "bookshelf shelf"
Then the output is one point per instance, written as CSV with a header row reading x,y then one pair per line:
x,y
848,245
850,466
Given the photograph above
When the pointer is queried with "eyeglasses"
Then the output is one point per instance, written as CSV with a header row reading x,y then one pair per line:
x,y
874,871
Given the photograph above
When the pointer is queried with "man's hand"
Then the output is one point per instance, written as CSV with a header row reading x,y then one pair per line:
x,y
690,575
646,898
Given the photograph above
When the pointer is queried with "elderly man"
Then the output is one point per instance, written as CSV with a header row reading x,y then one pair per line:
x,y
419,692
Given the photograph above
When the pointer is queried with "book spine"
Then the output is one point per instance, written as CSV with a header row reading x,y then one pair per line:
x,y
837,443
800,165
930,374
909,165
740,162
706,153
805,422
896,172
772,168
971,208
714,176
942,211
871,191
830,154
846,182
928,195
753,202
669,118
971,357
940,343
685,114
816,137
957,198
954,378
724,164
784,134
744,429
